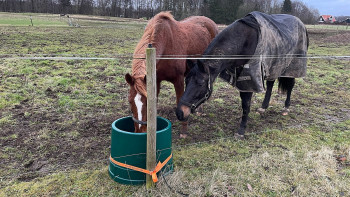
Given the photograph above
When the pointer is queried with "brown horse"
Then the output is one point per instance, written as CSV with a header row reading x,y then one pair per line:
x,y
190,36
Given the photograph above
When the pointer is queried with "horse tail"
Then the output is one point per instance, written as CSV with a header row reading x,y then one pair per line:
x,y
285,84
307,39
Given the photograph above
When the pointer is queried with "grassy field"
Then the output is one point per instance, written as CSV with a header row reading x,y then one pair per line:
x,y
329,27
55,118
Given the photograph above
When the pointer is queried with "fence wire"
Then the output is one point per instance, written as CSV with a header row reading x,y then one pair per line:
x,y
142,56
162,57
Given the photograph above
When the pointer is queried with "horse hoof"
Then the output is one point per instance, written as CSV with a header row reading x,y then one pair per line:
x,y
260,111
200,114
238,136
183,136
285,112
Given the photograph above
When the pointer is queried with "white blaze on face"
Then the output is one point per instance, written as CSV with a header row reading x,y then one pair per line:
x,y
138,104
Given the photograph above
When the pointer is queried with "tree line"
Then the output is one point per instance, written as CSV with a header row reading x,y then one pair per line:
x,y
221,11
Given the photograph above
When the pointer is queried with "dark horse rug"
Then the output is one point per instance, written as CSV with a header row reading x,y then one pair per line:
x,y
281,52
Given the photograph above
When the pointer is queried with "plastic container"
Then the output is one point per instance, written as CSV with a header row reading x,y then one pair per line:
x,y
130,148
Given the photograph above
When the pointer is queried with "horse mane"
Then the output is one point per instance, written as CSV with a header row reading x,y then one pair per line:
x,y
149,37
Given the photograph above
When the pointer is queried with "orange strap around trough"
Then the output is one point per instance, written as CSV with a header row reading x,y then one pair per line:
x,y
152,173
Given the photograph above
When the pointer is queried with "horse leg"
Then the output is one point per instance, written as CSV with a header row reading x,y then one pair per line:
x,y
246,97
290,86
158,89
179,90
267,98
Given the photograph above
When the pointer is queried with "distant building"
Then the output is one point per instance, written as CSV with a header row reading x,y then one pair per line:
x,y
347,20
326,19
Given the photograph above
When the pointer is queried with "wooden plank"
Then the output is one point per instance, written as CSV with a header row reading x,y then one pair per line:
x,y
151,113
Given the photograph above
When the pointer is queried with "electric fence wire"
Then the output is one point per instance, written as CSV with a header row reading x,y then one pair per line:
x,y
141,56
161,57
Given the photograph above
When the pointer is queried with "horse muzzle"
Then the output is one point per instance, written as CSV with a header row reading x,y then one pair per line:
x,y
183,112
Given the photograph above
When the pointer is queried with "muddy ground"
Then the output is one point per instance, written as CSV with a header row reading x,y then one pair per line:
x,y
41,138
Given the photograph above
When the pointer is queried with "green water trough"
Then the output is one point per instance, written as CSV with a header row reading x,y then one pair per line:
x,y
130,148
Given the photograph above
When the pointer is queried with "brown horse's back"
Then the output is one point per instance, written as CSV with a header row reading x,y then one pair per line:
x,y
198,32
190,36
205,22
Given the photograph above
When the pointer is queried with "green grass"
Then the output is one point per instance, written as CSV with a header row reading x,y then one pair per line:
x,y
329,27
55,118
7,19
274,163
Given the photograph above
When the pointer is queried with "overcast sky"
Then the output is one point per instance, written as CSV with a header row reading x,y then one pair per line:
x,y
330,7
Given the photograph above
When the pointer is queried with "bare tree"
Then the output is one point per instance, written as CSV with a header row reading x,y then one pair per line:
x,y
306,14
102,7
221,11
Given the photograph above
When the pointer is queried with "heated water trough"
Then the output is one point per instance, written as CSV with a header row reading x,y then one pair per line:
x,y
130,148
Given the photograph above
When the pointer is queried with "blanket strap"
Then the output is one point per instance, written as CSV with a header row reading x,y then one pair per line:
x,y
153,173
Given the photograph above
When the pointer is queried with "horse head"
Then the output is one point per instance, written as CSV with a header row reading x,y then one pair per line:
x,y
138,101
198,89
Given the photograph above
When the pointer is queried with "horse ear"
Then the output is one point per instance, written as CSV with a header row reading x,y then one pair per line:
x,y
190,64
129,79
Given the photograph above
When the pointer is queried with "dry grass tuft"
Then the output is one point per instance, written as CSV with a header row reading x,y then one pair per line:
x,y
265,173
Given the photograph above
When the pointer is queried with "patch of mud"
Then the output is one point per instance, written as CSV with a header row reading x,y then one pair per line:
x,y
341,38
44,142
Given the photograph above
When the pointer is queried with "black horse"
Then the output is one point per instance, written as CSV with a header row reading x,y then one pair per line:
x,y
255,48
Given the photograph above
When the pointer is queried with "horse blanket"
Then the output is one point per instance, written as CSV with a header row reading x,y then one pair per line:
x,y
280,52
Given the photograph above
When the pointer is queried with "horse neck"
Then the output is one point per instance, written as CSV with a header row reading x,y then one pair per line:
x,y
238,39
156,35
139,62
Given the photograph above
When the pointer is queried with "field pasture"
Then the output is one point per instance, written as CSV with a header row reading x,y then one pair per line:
x,y
56,114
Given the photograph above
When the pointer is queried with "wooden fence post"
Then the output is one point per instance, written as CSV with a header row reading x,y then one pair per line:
x,y
31,20
151,113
